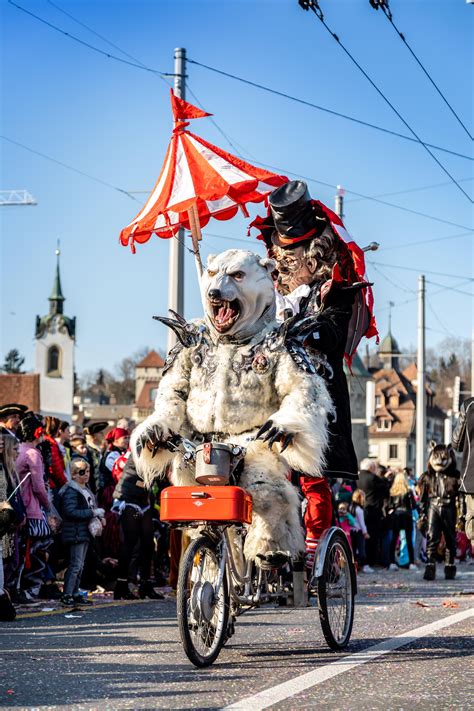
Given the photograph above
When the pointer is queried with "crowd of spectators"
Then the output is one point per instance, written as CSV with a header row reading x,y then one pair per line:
x,y
384,517
75,516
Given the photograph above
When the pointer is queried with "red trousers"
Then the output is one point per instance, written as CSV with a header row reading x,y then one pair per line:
x,y
318,514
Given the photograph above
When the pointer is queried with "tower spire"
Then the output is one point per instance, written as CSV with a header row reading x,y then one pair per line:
x,y
56,300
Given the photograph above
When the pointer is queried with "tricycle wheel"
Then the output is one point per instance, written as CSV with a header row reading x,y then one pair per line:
x,y
203,612
336,590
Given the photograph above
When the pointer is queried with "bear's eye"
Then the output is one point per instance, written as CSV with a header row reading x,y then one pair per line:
x,y
211,273
238,276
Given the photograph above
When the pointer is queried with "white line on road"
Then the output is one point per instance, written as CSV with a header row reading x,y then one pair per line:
x,y
280,692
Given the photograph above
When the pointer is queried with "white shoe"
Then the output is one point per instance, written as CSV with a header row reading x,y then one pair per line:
x,y
367,569
412,566
393,566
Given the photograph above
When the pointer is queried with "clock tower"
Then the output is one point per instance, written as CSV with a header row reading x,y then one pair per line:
x,y
55,337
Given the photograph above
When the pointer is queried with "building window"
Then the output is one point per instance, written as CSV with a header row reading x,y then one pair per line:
x,y
373,450
383,424
53,362
378,400
153,392
393,451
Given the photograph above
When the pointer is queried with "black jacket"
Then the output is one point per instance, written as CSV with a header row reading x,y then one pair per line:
x,y
76,515
406,502
375,488
333,314
131,488
463,441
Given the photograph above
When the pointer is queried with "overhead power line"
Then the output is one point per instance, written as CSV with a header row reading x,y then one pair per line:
x,y
370,197
422,270
427,241
313,5
160,75
69,167
322,108
86,44
433,186
384,6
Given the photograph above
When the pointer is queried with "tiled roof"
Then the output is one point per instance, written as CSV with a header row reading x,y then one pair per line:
x,y
151,360
21,388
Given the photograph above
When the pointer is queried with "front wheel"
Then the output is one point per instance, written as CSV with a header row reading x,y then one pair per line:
x,y
202,603
336,590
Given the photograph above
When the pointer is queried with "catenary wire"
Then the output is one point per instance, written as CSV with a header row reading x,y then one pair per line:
x,y
313,5
86,44
384,6
421,270
427,241
69,167
321,108
141,65
104,39
372,198
433,186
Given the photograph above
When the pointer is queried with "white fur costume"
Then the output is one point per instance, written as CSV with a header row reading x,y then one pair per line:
x,y
227,385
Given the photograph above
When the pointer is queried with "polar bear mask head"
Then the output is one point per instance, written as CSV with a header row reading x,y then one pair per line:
x,y
238,293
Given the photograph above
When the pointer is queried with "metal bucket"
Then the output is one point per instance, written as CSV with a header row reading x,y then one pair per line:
x,y
213,463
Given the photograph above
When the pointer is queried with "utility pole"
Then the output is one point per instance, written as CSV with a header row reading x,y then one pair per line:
x,y
420,384
176,257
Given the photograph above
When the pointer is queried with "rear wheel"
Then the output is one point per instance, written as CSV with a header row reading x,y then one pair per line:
x,y
336,590
203,610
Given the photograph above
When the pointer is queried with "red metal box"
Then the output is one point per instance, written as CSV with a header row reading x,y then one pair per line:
x,y
206,503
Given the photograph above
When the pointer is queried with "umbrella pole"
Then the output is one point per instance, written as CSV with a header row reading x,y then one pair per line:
x,y
196,237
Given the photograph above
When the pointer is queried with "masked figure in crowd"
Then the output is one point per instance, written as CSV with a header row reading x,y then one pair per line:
x,y
439,487
320,276
238,377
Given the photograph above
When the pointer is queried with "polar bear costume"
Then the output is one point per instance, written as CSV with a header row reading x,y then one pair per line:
x,y
232,373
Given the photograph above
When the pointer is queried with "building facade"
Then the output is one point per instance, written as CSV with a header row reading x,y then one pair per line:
x,y
392,436
55,337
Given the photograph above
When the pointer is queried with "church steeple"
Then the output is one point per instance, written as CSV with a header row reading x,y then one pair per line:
x,y
56,300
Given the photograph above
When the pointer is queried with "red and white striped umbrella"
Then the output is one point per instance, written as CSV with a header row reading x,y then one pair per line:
x,y
197,181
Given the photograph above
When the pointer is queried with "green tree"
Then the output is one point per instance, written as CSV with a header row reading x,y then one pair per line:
x,y
13,362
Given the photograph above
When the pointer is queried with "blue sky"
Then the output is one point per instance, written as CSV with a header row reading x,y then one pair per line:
x,y
113,122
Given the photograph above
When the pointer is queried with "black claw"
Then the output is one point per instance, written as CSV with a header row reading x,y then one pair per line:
x,y
287,440
273,436
263,429
270,434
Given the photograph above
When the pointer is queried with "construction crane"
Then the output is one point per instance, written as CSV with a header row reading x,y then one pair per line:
x,y
16,197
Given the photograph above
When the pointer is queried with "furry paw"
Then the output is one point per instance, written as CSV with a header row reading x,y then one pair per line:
x,y
154,438
273,433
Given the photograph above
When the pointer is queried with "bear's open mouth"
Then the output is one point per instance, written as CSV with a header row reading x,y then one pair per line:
x,y
224,314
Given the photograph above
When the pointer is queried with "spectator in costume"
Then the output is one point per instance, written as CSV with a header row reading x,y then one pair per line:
x,y
10,416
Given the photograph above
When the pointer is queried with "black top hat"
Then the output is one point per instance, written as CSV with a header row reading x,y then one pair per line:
x,y
13,408
96,427
295,216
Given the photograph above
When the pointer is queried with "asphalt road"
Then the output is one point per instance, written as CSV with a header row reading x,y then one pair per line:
x,y
129,656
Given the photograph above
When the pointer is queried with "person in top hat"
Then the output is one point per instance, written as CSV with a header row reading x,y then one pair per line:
x,y
11,415
316,277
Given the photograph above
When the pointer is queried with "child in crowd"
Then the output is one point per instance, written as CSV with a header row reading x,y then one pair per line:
x,y
346,520
359,533
81,519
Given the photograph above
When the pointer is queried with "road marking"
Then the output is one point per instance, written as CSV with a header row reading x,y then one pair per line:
x,y
280,692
